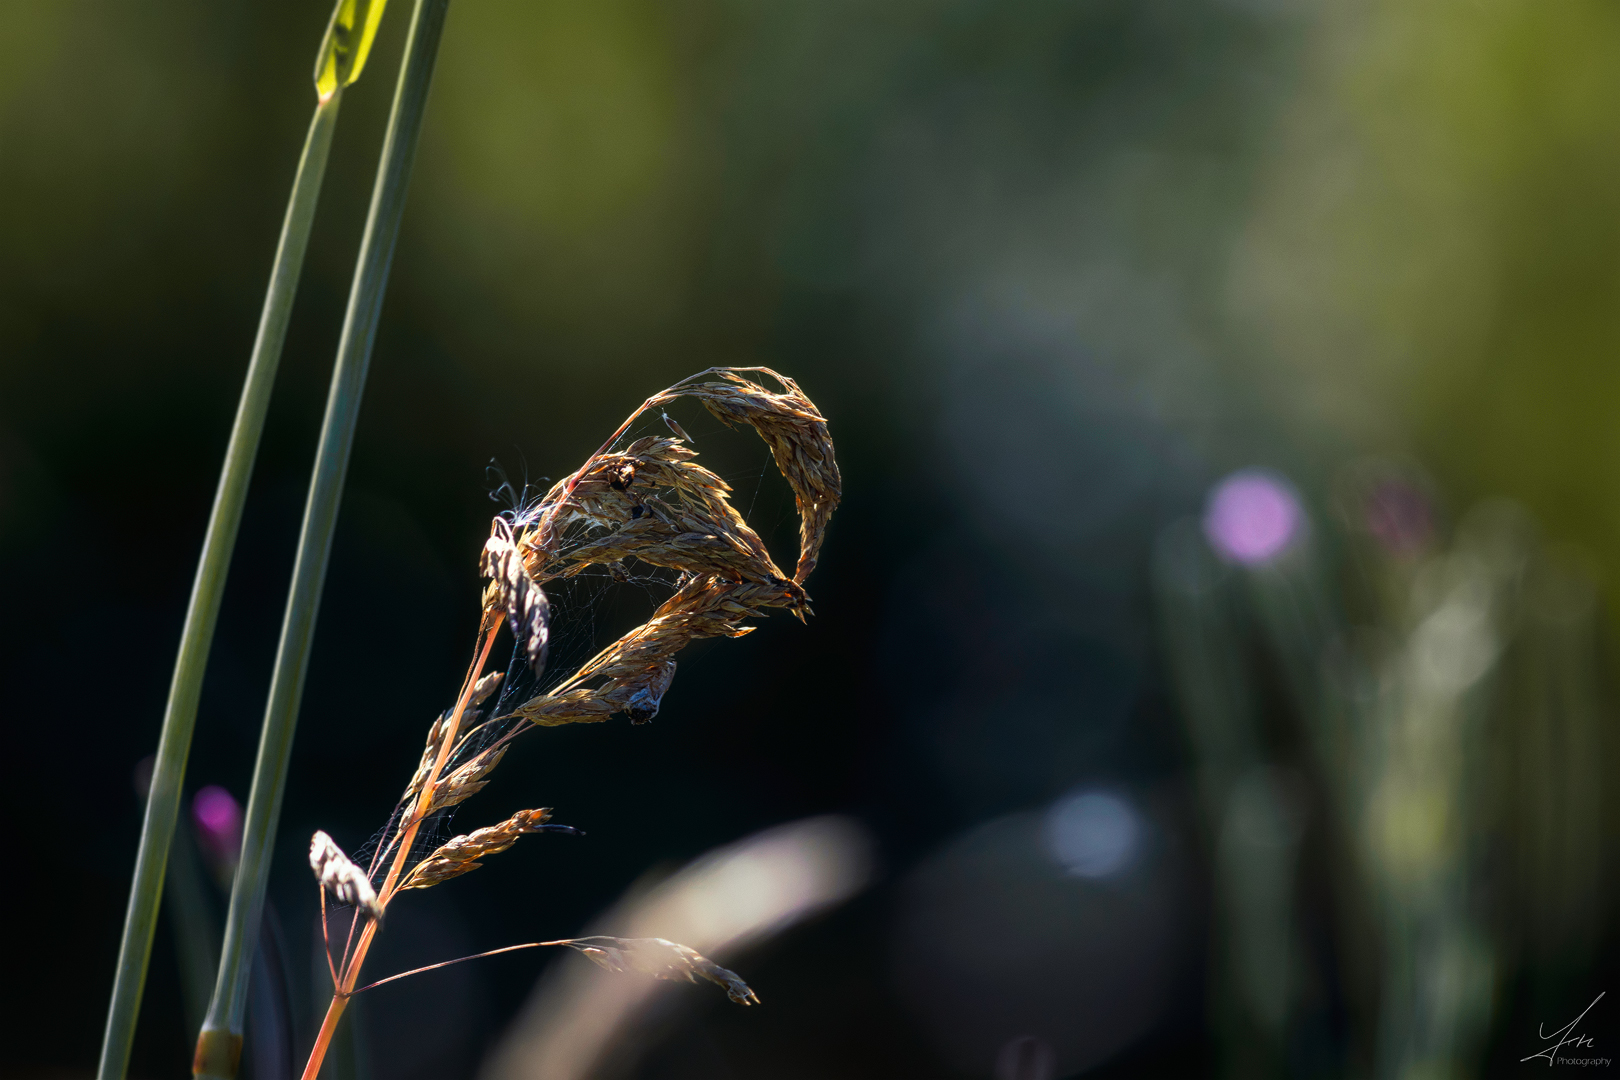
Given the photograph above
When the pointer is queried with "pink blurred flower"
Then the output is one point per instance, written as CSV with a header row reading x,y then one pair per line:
x,y
1252,517
218,817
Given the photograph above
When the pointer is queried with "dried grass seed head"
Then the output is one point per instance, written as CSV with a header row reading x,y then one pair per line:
x,y
662,959
652,502
649,501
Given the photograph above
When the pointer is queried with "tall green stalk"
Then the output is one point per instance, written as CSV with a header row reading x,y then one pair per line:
x,y
180,716
219,1046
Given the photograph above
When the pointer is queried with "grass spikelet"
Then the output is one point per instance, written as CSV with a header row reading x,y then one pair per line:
x,y
662,960
441,727
462,853
528,613
340,877
655,505
466,781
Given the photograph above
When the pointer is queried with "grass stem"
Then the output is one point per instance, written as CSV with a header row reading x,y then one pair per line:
x,y
407,836
202,614
218,1048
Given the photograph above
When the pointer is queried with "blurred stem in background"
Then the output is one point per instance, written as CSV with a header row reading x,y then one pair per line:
x,y
191,917
219,1045
1252,812
1454,739
202,865
179,721
1420,759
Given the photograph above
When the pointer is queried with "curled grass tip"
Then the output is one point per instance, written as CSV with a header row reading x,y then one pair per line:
x,y
347,44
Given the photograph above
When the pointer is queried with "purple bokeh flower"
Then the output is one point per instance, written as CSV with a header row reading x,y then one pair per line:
x,y
1252,517
218,817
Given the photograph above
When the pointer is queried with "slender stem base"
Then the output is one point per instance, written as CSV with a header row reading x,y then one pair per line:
x,y
323,1040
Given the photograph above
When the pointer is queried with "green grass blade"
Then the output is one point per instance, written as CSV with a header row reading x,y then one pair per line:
x,y
180,716
219,1045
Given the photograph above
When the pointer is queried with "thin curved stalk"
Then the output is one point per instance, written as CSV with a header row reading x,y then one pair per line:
x,y
202,614
219,1046
451,963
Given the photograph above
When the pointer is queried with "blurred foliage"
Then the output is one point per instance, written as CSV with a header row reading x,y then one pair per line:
x,y
1050,268
1432,260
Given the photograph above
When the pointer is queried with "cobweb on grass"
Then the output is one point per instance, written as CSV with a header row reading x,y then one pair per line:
x,y
593,608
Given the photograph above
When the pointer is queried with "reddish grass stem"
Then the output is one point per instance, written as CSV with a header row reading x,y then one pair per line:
x,y
406,836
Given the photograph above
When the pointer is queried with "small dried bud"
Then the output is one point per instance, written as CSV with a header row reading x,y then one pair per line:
x,y
341,877
643,705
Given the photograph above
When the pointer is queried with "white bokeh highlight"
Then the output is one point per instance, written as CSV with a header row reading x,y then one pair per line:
x,y
1092,834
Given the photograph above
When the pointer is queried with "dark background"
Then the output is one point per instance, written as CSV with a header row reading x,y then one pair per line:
x,y
1050,269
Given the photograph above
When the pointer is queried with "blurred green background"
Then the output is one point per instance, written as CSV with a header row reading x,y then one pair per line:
x,y
1051,270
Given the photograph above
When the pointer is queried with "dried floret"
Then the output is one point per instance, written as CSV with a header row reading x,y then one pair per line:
x,y
466,781
528,613
341,877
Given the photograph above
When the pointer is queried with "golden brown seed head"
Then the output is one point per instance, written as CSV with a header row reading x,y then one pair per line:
x,y
461,854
